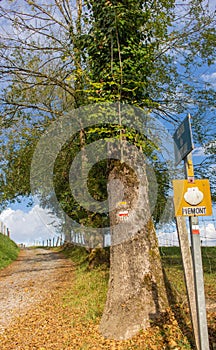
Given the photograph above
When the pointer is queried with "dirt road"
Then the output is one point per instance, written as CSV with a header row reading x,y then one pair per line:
x,y
29,280
37,311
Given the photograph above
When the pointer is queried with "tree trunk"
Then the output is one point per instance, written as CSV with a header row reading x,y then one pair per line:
x,y
136,291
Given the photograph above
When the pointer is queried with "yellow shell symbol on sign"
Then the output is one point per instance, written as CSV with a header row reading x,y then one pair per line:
x,y
193,196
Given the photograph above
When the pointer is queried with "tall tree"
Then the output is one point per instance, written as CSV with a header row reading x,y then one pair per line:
x,y
41,79
121,53
63,55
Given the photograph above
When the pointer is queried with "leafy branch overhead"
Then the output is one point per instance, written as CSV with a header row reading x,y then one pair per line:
x,y
62,55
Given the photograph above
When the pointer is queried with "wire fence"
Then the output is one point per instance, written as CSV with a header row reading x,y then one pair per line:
x,y
50,242
167,235
4,229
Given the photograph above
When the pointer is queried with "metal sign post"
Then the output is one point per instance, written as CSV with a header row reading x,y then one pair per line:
x,y
193,196
188,273
197,266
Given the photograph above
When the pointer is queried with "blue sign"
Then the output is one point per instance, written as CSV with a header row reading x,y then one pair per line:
x,y
183,143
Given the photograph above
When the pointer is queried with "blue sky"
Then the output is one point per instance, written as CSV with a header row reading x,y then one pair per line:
x,y
28,224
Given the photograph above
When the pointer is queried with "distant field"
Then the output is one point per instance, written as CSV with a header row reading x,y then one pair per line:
x,y
171,256
172,263
8,251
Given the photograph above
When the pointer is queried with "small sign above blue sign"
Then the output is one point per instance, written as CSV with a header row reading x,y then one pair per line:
x,y
183,143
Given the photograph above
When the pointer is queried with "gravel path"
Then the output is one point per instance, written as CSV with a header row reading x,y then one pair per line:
x,y
29,280
37,311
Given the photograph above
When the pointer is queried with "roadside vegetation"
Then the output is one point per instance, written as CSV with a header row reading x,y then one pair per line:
x,y
8,251
173,330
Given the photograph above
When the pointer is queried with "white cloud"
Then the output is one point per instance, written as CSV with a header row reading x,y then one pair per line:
x,y
31,226
208,234
210,78
199,152
167,234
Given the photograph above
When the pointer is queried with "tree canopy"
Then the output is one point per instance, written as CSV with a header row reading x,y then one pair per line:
x,y
63,55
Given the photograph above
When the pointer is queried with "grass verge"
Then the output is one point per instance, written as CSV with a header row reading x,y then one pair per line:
x,y
8,251
87,297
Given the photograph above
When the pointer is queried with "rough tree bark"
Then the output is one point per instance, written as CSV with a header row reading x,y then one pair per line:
x,y
136,291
